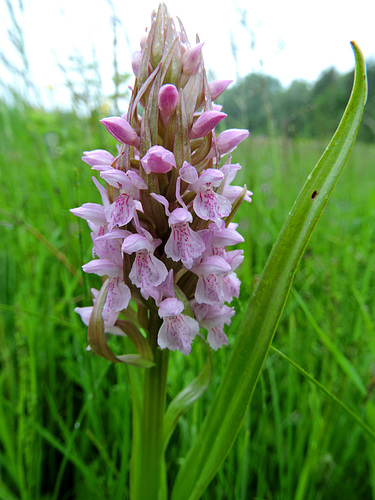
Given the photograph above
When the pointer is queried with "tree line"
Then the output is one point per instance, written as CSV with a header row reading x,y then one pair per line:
x,y
261,104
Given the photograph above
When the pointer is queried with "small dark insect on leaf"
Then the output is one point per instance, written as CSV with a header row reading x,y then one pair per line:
x,y
314,194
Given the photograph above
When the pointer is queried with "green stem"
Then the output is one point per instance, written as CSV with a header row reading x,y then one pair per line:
x,y
148,458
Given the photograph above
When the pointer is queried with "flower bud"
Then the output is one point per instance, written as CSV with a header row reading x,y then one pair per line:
x,y
217,87
230,139
121,130
167,100
205,123
191,57
158,160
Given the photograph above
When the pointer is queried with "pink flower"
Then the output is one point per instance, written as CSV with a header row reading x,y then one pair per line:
x,y
103,267
209,289
181,251
207,204
183,243
230,287
118,294
118,297
85,314
147,271
216,239
233,192
122,211
129,182
213,319
108,245
164,290
178,330
158,160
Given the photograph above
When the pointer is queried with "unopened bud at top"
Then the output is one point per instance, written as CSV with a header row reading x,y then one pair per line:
x,y
167,100
191,57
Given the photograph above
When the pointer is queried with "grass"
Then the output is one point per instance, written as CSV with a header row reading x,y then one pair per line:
x,y
65,415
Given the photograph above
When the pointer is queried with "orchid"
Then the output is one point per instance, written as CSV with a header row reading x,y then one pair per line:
x,y
178,330
160,243
165,187
161,233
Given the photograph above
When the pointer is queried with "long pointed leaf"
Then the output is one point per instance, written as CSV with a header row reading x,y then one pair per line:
x,y
228,409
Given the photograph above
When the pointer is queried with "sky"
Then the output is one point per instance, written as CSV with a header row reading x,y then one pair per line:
x,y
287,39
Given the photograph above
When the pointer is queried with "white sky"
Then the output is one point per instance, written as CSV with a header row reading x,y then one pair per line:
x,y
293,39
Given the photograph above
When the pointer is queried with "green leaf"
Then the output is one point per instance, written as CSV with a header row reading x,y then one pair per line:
x,y
187,397
95,332
139,341
229,406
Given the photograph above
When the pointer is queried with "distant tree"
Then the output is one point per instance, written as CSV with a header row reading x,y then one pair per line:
x,y
294,108
248,103
367,129
330,95
260,103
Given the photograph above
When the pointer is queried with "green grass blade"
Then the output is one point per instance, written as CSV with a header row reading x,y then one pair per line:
x,y
228,409
345,364
338,401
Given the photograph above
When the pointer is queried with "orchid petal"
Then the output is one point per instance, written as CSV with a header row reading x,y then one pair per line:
x,y
92,212
188,173
102,267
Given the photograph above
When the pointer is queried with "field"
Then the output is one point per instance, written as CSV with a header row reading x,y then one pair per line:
x,y
65,416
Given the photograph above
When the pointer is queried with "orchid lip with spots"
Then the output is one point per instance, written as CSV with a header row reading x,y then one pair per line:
x,y
162,232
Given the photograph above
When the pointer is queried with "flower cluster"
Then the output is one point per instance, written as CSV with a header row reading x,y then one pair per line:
x,y
161,233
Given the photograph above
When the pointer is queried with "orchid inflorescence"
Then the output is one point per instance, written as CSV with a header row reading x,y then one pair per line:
x,y
162,231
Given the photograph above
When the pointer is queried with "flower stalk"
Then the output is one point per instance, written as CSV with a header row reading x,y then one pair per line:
x,y
147,472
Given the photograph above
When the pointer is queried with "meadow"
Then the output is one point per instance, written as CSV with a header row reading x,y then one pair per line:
x,y
65,415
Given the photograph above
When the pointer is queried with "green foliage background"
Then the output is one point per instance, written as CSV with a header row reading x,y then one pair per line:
x,y
65,414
